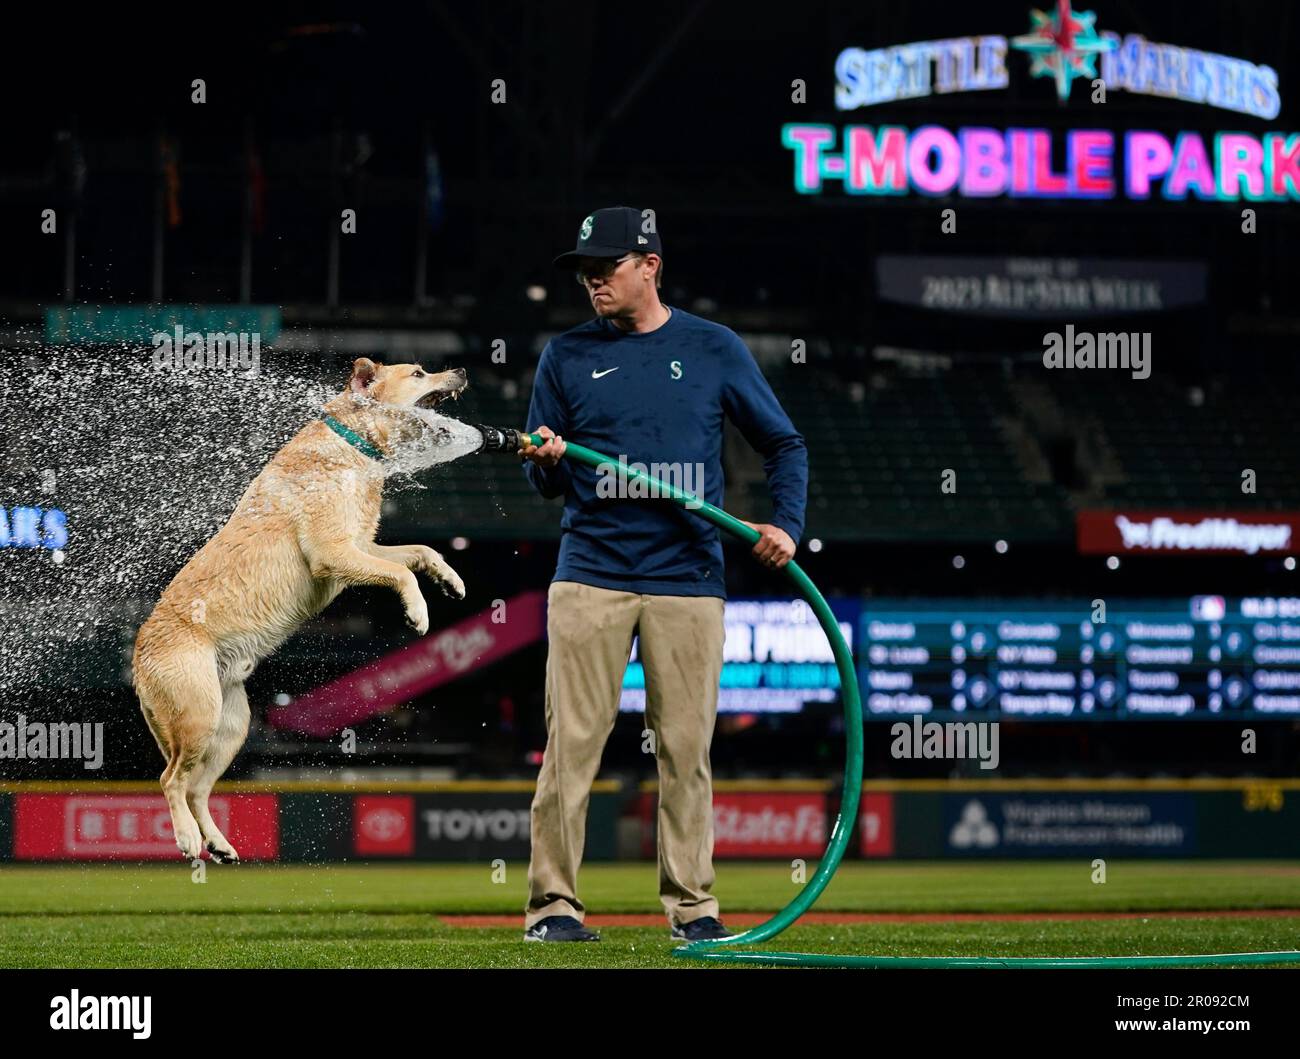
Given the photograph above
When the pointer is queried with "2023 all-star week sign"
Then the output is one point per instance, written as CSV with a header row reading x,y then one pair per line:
x,y
979,161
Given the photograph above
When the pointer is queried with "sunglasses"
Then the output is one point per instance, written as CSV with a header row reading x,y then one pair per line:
x,y
599,270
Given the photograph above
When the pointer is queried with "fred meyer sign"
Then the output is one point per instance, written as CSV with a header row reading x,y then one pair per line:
x,y
983,162
1187,532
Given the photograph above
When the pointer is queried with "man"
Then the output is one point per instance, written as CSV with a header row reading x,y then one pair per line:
x,y
650,383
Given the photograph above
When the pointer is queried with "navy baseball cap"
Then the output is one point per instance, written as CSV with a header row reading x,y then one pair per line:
x,y
613,232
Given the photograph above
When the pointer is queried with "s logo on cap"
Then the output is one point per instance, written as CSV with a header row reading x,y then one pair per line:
x,y
584,233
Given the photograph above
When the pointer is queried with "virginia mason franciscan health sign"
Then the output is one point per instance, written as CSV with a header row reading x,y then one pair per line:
x,y
1063,46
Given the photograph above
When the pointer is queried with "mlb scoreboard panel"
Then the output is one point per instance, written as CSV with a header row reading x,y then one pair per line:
x,y
1199,658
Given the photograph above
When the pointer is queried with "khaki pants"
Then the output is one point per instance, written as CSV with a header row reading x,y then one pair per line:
x,y
590,631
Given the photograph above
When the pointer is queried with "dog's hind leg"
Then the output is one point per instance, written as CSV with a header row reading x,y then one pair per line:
x,y
231,732
182,698
158,732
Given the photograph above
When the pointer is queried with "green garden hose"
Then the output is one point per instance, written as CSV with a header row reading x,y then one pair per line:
x,y
720,950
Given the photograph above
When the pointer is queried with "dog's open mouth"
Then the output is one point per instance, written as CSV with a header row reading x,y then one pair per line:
x,y
435,397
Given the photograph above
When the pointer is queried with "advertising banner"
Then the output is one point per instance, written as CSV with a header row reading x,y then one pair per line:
x,y
474,827
149,324
134,826
1019,287
769,824
430,662
1069,824
1187,532
383,825
876,824
775,658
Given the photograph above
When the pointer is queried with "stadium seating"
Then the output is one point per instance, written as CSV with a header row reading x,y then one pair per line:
x,y
880,442
878,451
1186,447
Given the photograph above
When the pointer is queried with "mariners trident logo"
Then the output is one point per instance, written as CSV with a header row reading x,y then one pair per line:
x,y
1063,46
584,233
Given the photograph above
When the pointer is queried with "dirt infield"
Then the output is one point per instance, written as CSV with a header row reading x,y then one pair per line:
x,y
749,919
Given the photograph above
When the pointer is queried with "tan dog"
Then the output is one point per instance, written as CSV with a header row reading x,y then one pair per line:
x,y
302,532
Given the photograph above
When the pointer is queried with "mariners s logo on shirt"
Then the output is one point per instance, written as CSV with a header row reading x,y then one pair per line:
x,y
675,369
584,233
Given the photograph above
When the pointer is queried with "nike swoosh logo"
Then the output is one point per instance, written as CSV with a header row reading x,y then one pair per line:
x,y
601,374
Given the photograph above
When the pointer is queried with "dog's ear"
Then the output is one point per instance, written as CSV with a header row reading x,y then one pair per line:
x,y
363,373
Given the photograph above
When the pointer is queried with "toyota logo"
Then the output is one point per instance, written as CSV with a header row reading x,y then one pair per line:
x,y
383,825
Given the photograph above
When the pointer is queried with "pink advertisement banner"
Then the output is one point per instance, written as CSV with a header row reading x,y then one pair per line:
x,y
430,662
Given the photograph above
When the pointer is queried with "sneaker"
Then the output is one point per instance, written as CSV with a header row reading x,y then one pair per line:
x,y
706,928
559,928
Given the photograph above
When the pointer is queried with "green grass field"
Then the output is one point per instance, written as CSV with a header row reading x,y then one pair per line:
x,y
390,916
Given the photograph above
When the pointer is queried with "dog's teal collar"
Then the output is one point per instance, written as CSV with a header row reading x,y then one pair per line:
x,y
353,438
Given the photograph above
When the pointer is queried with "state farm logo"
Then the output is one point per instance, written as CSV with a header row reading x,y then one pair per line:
x,y
768,823
383,825
876,824
137,826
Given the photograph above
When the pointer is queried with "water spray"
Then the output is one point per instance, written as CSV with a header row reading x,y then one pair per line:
x,y
496,439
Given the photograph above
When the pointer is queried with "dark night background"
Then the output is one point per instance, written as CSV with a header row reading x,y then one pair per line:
x,y
672,106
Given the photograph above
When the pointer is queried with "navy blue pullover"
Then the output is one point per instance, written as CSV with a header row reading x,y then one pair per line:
x,y
657,398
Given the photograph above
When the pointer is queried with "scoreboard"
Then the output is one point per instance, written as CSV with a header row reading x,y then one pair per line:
x,y
775,658
1194,658
1203,657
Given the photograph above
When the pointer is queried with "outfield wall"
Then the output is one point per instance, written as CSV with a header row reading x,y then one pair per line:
x,y
483,821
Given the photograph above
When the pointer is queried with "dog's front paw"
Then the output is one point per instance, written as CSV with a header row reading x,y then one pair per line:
x,y
451,583
436,567
417,615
